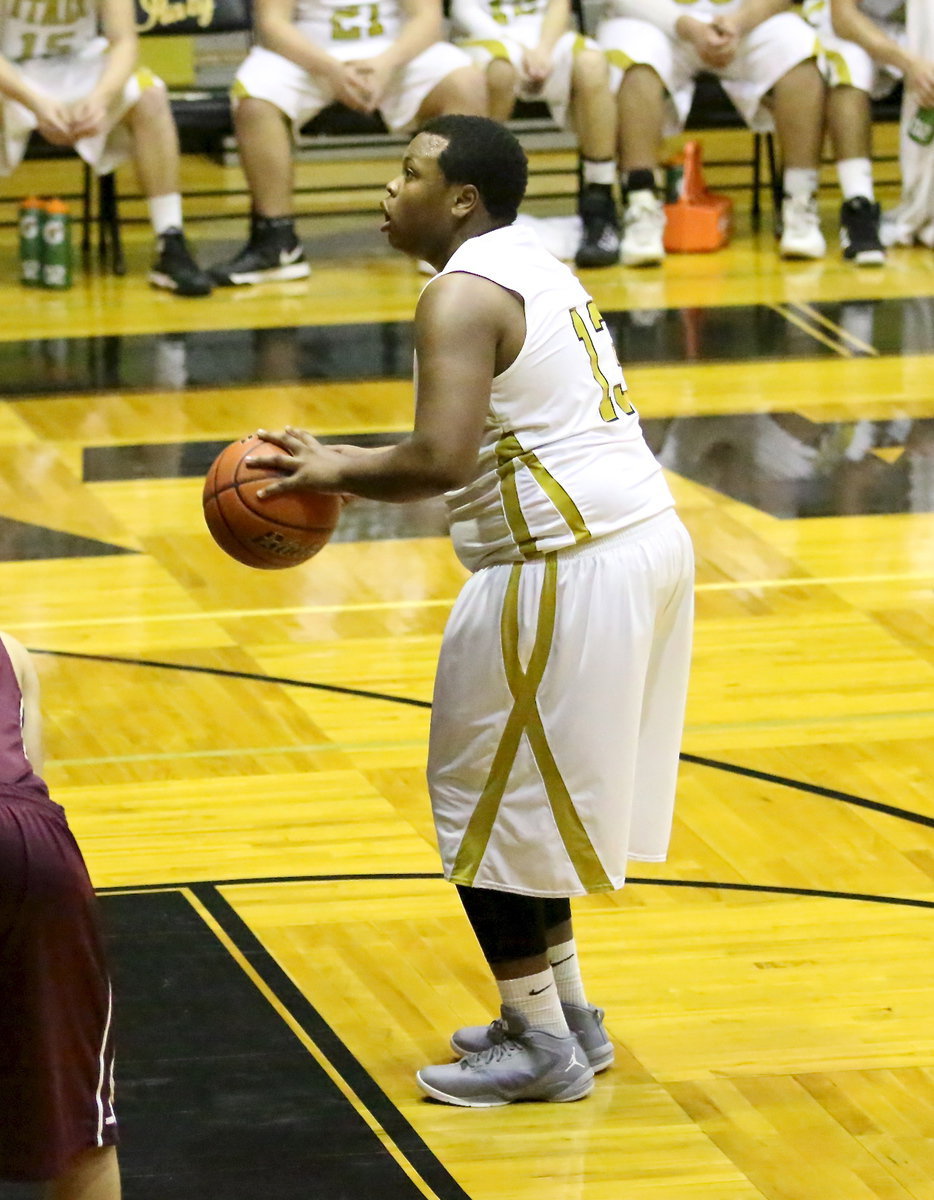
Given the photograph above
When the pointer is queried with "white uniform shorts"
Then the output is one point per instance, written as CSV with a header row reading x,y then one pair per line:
x,y
266,75
765,55
69,79
524,34
558,713
845,63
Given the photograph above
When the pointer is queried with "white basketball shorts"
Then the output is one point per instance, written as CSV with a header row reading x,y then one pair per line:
x,y
765,55
558,713
521,35
69,79
266,75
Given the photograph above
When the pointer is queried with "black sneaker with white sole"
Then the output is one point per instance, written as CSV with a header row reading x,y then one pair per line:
x,y
859,232
175,269
599,246
273,253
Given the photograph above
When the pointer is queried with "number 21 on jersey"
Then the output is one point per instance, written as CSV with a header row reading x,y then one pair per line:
x,y
587,323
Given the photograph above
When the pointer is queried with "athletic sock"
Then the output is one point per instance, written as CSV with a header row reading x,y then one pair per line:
x,y
800,183
567,972
855,175
165,212
640,180
598,171
535,997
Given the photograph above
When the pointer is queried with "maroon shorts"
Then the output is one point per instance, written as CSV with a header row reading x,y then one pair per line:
x,y
56,1054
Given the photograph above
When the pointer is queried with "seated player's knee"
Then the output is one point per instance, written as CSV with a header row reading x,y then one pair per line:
x,y
153,104
590,69
463,91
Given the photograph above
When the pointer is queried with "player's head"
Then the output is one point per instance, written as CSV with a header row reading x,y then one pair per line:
x,y
484,153
461,176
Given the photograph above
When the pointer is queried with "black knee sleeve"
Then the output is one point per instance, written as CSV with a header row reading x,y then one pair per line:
x,y
507,926
557,910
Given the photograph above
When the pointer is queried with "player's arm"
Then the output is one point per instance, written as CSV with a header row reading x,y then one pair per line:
x,y
421,28
460,324
53,118
473,19
276,30
753,13
118,21
556,22
851,23
29,687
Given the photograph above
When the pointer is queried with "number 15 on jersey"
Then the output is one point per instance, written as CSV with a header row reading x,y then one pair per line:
x,y
603,362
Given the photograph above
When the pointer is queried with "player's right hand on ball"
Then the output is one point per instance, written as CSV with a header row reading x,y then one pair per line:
x,y
305,464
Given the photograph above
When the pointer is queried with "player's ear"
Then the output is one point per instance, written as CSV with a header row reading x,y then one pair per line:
x,y
467,200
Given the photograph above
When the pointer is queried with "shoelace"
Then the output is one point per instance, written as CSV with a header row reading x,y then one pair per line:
x,y
495,1053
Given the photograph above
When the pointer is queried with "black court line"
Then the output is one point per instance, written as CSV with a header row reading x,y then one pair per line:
x,y
715,764
365,1087
217,1094
631,881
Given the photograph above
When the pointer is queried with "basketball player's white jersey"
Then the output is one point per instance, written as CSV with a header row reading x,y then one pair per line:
x,y
563,459
335,21
34,29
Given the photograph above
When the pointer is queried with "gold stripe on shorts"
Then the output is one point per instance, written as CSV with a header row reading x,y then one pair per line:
x,y
525,718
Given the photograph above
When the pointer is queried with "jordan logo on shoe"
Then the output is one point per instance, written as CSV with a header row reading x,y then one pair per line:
x,y
575,1061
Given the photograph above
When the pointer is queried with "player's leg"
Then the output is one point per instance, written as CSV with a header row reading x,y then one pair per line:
x,y
776,73
530,1053
156,158
592,113
271,97
94,1174
642,64
798,109
584,1019
461,91
501,85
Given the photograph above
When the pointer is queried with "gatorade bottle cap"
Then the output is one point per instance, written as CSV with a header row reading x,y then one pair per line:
x,y
56,206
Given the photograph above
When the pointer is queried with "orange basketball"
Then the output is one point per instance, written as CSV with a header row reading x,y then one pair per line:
x,y
280,531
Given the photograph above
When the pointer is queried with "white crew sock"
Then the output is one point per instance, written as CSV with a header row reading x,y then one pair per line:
x,y
567,972
855,175
599,171
800,182
536,998
165,212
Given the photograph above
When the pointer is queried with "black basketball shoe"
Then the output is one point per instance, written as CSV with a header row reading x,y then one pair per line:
x,y
273,252
175,269
859,232
599,246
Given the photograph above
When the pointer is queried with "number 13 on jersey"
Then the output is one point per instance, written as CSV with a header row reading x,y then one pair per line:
x,y
604,363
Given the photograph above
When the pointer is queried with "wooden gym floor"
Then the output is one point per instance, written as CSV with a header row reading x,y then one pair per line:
x,y
241,753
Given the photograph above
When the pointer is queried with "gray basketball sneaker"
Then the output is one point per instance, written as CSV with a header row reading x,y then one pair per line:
x,y
527,1064
585,1022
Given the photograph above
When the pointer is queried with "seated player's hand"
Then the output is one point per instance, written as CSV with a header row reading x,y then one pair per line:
x,y
377,73
53,120
717,43
88,117
351,86
920,80
537,65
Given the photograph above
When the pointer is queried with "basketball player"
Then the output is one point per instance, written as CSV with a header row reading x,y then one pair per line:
x,y
766,60
78,89
56,1056
385,56
561,685
529,51
867,53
